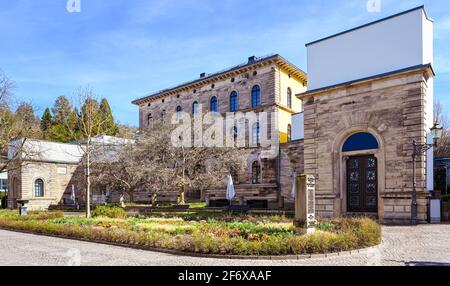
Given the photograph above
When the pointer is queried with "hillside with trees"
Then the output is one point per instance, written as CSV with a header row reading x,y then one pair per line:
x,y
62,123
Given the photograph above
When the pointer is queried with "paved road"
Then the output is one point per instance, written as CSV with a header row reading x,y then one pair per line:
x,y
421,245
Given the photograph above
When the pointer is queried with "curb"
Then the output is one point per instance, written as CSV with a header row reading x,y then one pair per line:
x,y
202,255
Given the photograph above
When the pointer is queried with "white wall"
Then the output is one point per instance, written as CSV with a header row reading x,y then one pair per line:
x,y
393,44
298,126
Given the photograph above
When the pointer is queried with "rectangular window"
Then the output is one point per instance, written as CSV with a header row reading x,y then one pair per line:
x,y
3,184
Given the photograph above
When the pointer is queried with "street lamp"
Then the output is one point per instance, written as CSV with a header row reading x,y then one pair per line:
x,y
418,149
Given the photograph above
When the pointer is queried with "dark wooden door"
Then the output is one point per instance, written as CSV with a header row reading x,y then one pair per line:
x,y
362,186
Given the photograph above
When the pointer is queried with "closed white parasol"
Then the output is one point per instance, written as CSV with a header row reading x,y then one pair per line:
x,y
230,189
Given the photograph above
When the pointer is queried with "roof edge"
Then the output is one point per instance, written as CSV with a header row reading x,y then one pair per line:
x,y
417,67
238,67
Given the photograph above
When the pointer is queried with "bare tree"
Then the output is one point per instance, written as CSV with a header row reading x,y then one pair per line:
x,y
443,149
153,164
89,125
16,127
6,87
121,172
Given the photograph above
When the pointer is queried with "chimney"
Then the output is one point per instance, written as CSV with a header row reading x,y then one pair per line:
x,y
251,59
202,75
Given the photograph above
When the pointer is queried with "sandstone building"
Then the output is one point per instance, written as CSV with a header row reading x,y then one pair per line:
x,y
51,174
47,175
370,94
267,84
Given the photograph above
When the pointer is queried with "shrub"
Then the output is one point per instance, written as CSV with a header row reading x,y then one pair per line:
x,y
109,211
325,226
249,236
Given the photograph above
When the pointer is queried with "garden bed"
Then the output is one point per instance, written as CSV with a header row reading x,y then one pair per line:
x,y
222,235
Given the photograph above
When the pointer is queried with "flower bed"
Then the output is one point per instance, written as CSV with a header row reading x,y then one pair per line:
x,y
245,235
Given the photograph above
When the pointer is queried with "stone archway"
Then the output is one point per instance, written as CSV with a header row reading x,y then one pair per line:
x,y
341,166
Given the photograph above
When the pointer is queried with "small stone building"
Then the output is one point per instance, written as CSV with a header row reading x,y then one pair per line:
x,y
50,173
370,94
46,175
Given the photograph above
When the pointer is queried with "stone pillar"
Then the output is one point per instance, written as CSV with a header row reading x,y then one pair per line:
x,y
305,218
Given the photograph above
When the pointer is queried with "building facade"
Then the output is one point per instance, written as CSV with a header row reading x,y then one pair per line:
x,y
48,174
52,174
369,98
262,85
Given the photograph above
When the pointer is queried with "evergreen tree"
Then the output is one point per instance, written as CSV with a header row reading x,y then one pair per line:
x,y
25,113
65,122
90,110
46,121
61,110
109,127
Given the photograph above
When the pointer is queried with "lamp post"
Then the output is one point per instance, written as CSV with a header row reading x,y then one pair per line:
x,y
418,149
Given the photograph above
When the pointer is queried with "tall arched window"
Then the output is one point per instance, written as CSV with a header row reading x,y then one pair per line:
x,y
179,108
234,102
234,132
164,116
256,134
39,188
360,141
256,96
214,106
256,173
289,133
289,97
150,120
195,107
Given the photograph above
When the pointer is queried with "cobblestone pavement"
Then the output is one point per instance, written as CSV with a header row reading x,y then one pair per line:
x,y
421,245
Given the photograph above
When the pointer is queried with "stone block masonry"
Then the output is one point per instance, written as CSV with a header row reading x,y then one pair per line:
x,y
391,108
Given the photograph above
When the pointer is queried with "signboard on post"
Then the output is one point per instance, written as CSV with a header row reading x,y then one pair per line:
x,y
305,210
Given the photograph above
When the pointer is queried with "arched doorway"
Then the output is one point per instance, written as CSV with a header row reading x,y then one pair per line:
x,y
361,173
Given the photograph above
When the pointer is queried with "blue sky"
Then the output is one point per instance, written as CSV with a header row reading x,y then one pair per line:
x,y
126,49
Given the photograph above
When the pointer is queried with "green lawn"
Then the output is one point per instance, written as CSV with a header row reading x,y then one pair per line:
x,y
221,234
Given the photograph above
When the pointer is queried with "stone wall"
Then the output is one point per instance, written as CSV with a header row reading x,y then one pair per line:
x,y
391,108
242,84
274,81
58,180
291,161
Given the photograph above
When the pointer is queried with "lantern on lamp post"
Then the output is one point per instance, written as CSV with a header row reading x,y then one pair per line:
x,y
418,149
